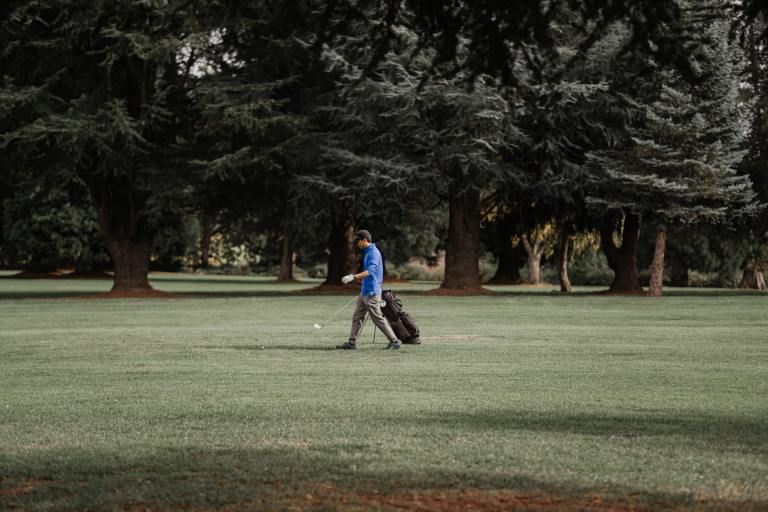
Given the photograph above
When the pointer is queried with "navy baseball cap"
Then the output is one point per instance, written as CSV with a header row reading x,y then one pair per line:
x,y
362,235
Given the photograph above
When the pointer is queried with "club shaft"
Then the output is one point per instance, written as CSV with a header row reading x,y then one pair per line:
x,y
340,310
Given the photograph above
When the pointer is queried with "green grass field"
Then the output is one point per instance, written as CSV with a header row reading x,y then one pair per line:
x,y
226,399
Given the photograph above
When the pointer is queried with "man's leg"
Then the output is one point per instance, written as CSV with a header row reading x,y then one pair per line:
x,y
357,319
372,304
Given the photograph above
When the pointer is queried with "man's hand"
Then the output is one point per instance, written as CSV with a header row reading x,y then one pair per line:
x,y
347,279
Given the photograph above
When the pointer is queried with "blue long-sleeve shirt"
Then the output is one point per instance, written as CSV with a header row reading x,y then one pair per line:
x,y
373,264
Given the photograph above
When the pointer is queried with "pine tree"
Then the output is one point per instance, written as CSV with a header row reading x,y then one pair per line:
x,y
252,71
680,167
755,235
499,37
434,137
93,91
566,111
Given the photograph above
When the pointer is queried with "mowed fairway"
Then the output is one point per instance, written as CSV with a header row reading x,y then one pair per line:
x,y
524,400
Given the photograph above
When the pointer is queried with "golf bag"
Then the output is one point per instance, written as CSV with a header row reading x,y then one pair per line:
x,y
401,322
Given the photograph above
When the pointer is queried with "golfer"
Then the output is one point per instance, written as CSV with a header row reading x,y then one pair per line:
x,y
369,300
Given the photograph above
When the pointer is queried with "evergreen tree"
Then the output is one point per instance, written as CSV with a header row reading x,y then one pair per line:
x,y
254,68
501,223
94,91
564,114
680,167
755,235
495,37
434,137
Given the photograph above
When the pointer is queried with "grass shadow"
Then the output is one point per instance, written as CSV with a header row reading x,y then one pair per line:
x,y
753,432
297,476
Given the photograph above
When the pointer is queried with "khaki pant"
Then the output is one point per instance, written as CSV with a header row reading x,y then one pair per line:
x,y
369,304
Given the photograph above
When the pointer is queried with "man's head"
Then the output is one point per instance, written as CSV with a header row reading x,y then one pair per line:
x,y
362,239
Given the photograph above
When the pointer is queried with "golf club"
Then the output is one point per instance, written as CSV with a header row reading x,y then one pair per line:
x,y
365,321
318,326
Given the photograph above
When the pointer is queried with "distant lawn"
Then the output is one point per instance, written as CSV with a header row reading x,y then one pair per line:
x,y
527,399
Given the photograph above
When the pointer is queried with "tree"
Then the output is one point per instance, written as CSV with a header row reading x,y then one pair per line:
x,y
500,227
496,37
680,168
535,242
5,193
564,115
95,92
755,235
254,69
434,135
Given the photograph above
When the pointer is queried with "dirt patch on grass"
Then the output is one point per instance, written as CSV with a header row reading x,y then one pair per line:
x,y
480,501
21,488
132,294
521,284
35,275
60,274
633,293
505,282
329,496
450,292
392,496
449,501
88,275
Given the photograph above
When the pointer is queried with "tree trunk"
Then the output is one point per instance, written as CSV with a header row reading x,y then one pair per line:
x,y
508,270
205,243
534,252
510,258
131,264
657,266
123,233
565,241
622,259
534,269
461,262
286,260
678,270
341,256
753,279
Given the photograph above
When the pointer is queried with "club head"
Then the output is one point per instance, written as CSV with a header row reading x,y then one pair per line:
x,y
317,326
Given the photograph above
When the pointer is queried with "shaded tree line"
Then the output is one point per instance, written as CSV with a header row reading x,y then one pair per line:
x,y
519,128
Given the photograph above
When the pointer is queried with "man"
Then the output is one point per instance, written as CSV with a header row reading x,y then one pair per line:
x,y
369,300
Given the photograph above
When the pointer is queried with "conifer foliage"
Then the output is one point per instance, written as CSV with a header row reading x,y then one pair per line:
x,y
92,91
680,166
304,120
435,136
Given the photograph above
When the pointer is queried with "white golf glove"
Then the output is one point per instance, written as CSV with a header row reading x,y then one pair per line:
x,y
347,279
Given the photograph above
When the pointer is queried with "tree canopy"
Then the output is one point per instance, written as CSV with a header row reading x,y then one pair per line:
x,y
461,125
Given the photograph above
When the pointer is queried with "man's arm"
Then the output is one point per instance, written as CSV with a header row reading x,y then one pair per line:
x,y
372,267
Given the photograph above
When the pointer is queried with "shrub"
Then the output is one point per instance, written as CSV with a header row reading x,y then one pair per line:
x,y
415,273
590,268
